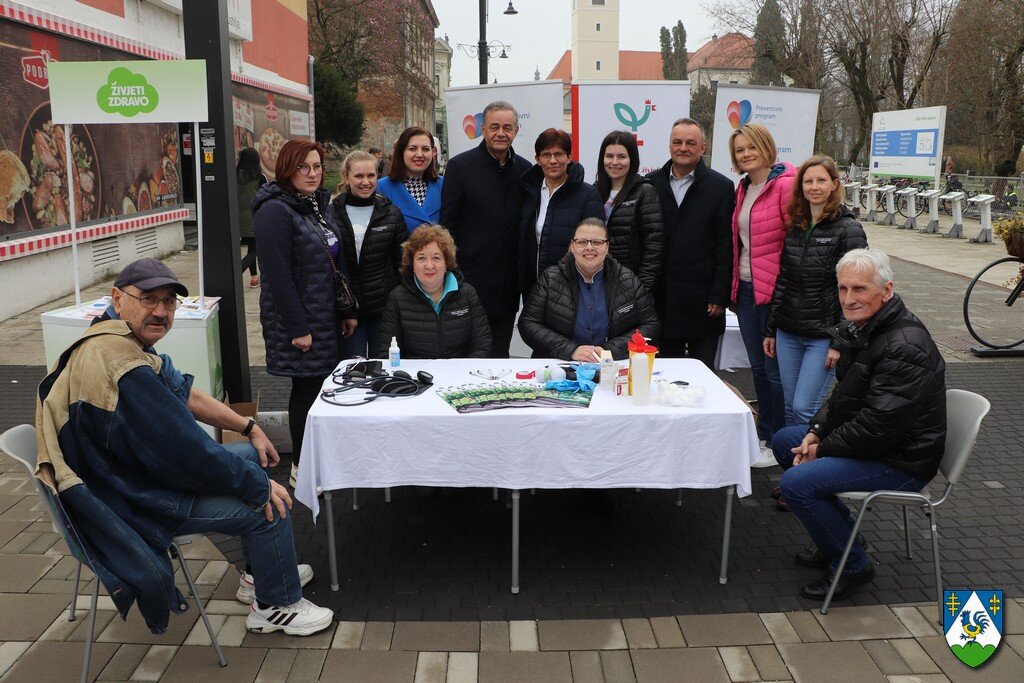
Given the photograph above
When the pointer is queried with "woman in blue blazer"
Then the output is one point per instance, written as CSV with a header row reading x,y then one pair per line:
x,y
413,184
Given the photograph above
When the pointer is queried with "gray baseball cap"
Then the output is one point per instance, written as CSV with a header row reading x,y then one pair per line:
x,y
148,274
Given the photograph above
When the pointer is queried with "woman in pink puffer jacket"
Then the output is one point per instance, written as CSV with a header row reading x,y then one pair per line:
x,y
758,230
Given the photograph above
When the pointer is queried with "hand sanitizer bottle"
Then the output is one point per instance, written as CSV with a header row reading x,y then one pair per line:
x,y
608,371
394,355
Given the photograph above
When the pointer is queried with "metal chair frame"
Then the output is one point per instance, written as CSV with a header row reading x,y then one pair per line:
x,y
20,443
964,413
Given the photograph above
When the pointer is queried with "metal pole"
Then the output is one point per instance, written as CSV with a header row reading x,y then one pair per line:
x,y
730,493
199,216
481,46
515,541
69,164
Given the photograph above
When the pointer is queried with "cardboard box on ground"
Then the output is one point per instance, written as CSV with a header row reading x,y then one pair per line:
x,y
274,424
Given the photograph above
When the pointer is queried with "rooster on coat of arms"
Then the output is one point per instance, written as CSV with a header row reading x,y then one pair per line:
x,y
975,629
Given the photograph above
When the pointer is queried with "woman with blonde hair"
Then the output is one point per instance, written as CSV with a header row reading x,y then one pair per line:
x,y
372,231
806,299
758,230
433,312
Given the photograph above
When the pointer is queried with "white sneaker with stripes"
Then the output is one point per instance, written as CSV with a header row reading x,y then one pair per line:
x,y
247,591
302,618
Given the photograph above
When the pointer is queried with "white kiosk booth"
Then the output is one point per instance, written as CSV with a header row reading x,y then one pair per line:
x,y
137,92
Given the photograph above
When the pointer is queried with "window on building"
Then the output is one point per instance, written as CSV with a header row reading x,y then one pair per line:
x,y
598,65
597,26
597,2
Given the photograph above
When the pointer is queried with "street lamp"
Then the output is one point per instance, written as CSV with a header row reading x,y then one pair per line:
x,y
484,50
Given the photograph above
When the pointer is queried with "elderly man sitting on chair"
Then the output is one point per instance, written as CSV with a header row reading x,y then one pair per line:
x,y
119,443
883,427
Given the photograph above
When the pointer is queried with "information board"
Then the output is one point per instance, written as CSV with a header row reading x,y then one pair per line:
x,y
908,144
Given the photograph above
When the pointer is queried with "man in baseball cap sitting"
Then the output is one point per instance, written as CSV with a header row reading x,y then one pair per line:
x,y
119,443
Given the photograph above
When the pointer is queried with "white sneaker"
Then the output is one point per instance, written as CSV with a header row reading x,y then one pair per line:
x,y
294,475
300,619
247,591
767,457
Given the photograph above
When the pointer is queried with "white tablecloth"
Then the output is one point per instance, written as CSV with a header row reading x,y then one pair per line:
x,y
423,441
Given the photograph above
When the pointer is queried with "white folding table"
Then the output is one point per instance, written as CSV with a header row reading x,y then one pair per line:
x,y
423,441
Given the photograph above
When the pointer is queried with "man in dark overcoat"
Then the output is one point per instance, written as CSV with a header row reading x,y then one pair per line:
x,y
480,205
697,204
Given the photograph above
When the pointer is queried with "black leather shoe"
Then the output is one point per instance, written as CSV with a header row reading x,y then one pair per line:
x,y
812,557
847,584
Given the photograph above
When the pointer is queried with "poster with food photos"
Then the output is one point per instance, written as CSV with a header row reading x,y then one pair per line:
x,y
118,170
265,121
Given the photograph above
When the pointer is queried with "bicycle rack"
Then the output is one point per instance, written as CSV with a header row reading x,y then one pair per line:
x,y
984,202
958,213
868,187
852,189
885,193
933,210
908,193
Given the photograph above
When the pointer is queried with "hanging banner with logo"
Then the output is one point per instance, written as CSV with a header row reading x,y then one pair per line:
x,y
538,103
791,114
644,108
128,92
908,143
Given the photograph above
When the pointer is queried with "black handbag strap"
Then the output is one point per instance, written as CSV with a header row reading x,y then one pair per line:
x,y
319,230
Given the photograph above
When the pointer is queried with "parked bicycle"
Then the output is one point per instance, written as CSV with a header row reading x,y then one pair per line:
x,y
907,207
953,184
985,304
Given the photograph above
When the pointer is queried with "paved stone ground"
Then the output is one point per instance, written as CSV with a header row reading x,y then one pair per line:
x,y
626,595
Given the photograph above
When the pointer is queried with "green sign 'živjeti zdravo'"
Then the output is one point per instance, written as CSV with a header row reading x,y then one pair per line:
x,y
127,94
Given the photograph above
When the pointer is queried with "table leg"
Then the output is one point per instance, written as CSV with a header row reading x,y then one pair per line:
x,y
387,495
355,499
679,498
730,492
332,558
515,542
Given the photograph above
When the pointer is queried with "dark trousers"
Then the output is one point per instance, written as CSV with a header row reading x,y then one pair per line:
x,y
249,261
305,390
502,326
702,348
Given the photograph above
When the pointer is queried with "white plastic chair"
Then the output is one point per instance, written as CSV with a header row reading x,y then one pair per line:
x,y
20,443
964,413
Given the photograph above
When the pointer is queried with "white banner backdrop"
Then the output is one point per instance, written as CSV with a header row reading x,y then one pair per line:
x,y
908,143
644,108
539,104
791,115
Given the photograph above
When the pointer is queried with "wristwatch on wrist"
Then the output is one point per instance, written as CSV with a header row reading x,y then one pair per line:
x,y
248,427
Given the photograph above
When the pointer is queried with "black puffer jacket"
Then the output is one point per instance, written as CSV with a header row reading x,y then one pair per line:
x,y
890,402
636,231
806,299
549,315
296,283
376,272
574,201
460,331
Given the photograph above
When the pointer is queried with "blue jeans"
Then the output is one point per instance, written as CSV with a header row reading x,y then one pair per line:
x,y
363,339
809,489
805,380
268,546
771,406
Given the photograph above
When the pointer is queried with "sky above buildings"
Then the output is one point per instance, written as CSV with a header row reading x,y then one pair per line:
x,y
539,34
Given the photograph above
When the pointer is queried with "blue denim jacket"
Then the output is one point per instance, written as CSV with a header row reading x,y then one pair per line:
x,y
129,459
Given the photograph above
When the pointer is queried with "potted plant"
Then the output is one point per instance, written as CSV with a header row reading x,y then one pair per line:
x,y
1012,231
